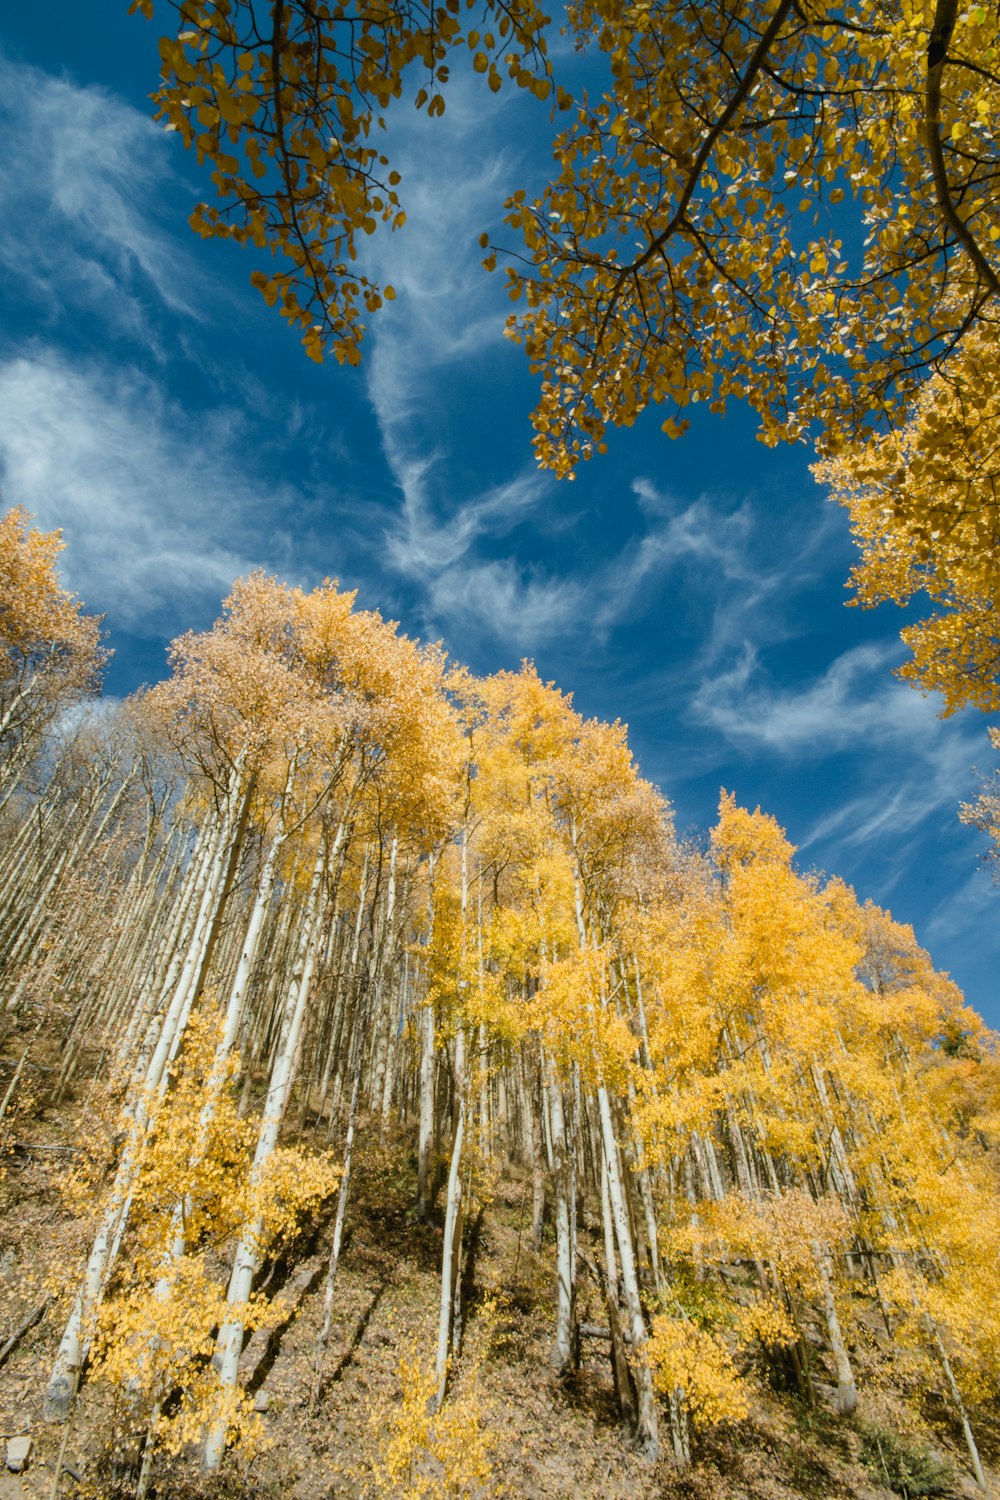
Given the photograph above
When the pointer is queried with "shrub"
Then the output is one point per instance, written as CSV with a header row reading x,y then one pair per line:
x,y
910,1468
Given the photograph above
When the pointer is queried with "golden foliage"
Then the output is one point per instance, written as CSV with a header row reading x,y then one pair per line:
x,y
766,1321
793,1087
685,249
794,209
193,1192
50,651
288,121
432,1455
697,1366
685,252
925,513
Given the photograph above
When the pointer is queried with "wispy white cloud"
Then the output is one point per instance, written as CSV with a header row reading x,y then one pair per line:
x,y
447,314
423,545
446,308
919,780
516,603
448,319
527,608
519,605
526,604
854,702
710,541
965,910
155,503
80,176
158,507
911,767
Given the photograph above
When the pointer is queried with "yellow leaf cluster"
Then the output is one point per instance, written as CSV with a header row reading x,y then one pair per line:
x,y
925,512
193,1192
287,118
768,1322
761,205
50,650
697,1366
426,1454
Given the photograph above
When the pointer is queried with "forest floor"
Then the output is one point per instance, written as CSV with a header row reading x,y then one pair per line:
x,y
547,1437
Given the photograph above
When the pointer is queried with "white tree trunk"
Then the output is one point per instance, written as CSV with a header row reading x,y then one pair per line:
x,y
564,1344
323,1338
647,1434
230,1340
65,1375
846,1398
451,1249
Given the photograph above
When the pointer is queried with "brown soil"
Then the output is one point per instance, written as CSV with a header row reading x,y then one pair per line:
x,y
562,1441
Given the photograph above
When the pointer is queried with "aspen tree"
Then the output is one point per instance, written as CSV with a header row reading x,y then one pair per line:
x,y
426,1086
317,860
216,703
248,1251
675,255
50,651
606,810
926,517
147,1090
796,210
375,694
527,727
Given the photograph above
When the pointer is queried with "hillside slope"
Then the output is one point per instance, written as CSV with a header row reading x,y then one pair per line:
x,y
547,1436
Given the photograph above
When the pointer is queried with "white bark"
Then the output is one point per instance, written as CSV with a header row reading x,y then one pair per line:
x,y
451,1249
230,1341
956,1396
564,1343
846,1398
65,1375
623,1382
338,1233
647,1434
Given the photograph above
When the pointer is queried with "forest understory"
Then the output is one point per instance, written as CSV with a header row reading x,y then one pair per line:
x,y
394,1108
547,1435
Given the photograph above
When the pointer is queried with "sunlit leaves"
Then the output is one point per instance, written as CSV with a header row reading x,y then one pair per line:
x,y
685,250
697,1366
285,105
156,1333
925,512
50,650
793,1115
426,1454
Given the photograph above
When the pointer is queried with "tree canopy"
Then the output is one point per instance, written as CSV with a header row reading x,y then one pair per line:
x,y
925,512
316,904
50,650
795,205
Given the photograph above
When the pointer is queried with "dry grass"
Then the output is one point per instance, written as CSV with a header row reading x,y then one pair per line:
x,y
561,1441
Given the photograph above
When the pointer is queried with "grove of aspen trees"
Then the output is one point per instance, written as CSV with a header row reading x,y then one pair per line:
x,y
321,887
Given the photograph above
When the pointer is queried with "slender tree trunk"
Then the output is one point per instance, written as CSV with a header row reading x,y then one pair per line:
x,y
323,1337
451,1249
647,1434
619,1359
65,1376
846,1398
230,1340
563,1356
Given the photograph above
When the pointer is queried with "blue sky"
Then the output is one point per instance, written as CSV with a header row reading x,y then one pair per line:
x,y
152,407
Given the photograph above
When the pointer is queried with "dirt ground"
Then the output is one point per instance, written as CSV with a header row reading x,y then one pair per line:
x,y
548,1438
